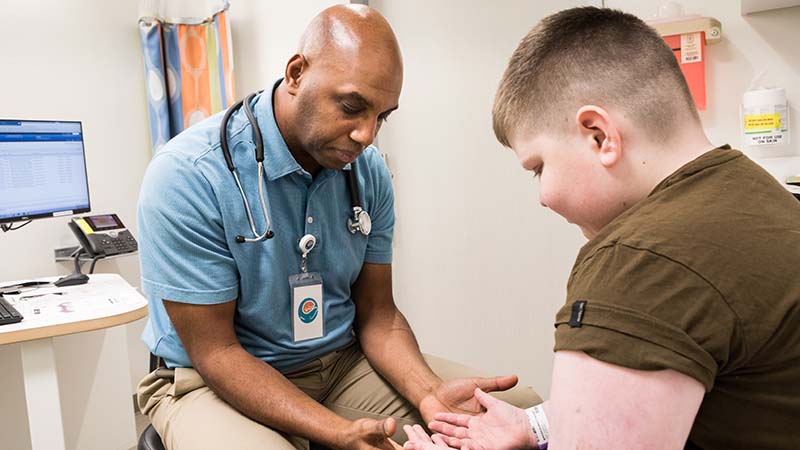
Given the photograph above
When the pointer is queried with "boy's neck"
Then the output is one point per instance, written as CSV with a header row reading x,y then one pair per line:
x,y
664,160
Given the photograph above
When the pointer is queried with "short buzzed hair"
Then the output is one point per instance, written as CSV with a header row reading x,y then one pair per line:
x,y
591,56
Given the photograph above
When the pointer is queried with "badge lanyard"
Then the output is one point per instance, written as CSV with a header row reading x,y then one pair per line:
x,y
307,302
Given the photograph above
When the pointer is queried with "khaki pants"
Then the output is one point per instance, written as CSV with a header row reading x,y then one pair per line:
x,y
189,416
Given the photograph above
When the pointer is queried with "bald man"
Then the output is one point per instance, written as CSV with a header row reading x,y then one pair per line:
x,y
263,348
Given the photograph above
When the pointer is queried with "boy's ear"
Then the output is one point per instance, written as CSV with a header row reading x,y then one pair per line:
x,y
598,130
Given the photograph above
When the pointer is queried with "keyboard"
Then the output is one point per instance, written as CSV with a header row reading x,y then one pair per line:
x,y
8,314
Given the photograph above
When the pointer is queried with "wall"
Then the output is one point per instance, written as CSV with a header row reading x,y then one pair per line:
x,y
480,268
265,36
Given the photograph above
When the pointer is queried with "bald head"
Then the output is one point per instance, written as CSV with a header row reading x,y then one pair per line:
x,y
339,88
343,33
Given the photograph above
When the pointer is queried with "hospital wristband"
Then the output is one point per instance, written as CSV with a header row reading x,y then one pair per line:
x,y
539,425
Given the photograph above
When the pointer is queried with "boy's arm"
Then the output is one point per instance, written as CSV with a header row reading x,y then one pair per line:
x,y
595,404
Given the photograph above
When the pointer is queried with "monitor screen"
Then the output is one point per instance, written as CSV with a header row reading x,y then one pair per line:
x,y
42,170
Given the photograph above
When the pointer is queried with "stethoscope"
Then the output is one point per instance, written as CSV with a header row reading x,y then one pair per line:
x,y
360,220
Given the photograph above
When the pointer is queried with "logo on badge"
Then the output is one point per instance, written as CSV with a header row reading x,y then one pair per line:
x,y
308,310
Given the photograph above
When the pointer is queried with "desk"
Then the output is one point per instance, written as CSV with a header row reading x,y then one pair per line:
x,y
106,301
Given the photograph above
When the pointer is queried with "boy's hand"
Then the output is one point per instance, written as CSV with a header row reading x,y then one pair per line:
x,y
418,439
502,427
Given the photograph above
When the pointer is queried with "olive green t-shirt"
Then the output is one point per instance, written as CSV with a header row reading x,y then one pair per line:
x,y
702,277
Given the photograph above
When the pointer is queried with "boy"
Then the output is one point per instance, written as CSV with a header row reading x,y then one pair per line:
x,y
682,322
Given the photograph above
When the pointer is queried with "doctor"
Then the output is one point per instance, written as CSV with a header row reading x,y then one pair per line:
x,y
270,292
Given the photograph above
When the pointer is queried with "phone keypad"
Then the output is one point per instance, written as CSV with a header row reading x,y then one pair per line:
x,y
122,243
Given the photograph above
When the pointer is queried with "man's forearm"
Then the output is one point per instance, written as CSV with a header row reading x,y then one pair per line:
x,y
390,346
263,394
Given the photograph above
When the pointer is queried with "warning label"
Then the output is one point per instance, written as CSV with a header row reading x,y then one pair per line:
x,y
690,48
762,122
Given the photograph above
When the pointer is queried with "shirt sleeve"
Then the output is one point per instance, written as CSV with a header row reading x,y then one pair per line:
x,y
381,211
184,255
646,312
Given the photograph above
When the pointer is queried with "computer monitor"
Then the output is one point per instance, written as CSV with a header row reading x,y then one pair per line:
x,y
42,170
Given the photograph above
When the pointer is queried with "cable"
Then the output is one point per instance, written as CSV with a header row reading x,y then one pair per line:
x,y
77,261
94,261
76,258
10,227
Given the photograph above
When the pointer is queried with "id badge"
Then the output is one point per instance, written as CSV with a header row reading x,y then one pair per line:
x,y
307,307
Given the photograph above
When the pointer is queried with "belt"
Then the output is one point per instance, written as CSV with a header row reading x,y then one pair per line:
x,y
159,368
165,374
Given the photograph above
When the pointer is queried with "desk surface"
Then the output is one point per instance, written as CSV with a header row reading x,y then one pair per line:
x,y
107,300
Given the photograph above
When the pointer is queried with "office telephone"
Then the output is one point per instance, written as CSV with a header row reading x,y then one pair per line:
x,y
103,235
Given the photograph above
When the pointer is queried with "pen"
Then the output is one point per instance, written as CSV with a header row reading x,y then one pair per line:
x,y
40,295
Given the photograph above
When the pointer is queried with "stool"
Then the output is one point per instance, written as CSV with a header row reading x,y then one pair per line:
x,y
150,440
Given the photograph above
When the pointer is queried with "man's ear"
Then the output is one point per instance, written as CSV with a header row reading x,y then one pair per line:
x,y
597,128
295,69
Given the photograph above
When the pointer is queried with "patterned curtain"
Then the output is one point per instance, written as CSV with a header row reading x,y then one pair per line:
x,y
188,70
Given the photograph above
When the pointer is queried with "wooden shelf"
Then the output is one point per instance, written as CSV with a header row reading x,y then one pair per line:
x,y
689,24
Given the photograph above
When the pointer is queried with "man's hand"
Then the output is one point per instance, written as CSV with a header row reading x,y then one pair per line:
x,y
369,434
502,427
418,439
458,396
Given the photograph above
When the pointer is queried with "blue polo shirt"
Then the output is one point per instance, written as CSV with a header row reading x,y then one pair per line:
x,y
190,211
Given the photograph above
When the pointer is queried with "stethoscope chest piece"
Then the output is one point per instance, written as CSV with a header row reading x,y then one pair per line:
x,y
362,222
